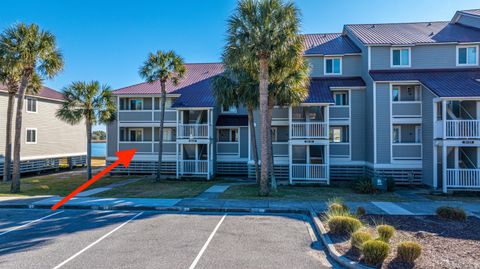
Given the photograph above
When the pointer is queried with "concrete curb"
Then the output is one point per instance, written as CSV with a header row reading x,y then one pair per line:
x,y
165,209
327,242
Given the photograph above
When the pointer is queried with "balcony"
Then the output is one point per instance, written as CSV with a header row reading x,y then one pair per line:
x,y
170,115
228,148
459,129
407,151
310,172
463,178
340,150
193,167
169,147
407,109
193,131
317,130
142,147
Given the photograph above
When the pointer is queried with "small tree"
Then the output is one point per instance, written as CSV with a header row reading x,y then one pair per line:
x,y
30,51
90,102
162,66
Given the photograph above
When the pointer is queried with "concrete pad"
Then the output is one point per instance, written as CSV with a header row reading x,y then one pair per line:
x,y
217,188
392,208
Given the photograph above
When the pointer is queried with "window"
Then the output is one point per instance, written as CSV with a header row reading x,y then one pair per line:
x,y
31,105
396,137
400,57
396,94
467,55
341,98
229,109
339,134
418,134
227,135
169,134
136,135
274,134
31,136
136,104
333,66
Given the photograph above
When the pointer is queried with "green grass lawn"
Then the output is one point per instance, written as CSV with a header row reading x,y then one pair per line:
x,y
54,184
299,193
146,188
463,197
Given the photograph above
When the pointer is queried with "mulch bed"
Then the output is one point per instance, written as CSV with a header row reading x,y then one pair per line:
x,y
446,243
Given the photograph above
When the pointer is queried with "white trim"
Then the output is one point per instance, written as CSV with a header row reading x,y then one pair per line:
x,y
417,140
401,65
466,47
130,135
374,122
26,135
369,52
325,66
399,127
36,105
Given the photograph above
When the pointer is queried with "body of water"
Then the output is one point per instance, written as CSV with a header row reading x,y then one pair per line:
x,y
99,149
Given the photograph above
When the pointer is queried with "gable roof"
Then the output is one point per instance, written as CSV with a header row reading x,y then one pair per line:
x,y
45,92
413,33
196,73
329,44
461,82
474,12
320,88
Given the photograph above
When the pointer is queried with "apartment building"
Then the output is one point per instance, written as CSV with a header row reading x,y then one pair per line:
x,y
397,100
46,140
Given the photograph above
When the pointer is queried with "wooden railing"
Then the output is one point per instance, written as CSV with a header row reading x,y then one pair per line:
x,y
309,130
463,178
310,172
193,131
193,167
462,129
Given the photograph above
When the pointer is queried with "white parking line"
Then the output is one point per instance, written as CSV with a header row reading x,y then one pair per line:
x,y
96,242
30,223
206,243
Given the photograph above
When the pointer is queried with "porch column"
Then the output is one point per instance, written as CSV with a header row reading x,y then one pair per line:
x,y
444,168
435,167
208,161
177,162
456,155
327,162
290,161
444,118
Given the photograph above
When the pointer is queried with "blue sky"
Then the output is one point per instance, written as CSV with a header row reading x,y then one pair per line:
x,y
108,40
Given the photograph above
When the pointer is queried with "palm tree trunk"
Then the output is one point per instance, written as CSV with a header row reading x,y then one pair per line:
x,y
253,141
89,149
160,139
7,164
15,187
273,182
263,89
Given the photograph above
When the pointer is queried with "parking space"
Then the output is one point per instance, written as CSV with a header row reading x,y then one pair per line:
x,y
129,239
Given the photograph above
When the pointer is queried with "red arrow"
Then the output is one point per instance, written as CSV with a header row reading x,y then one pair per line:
x,y
124,157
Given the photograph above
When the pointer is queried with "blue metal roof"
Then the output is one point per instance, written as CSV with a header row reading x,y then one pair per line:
x,y
320,88
461,82
199,94
329,44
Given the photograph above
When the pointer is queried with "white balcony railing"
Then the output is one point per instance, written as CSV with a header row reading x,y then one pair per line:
x,y
193,167
463,178
310,172
193,131
309,130
458,129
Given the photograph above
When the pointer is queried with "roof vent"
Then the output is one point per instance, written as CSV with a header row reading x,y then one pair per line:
x,y
373,26
432,33
429,24
324,35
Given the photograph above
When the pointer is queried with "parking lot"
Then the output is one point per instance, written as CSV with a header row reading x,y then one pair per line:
x,y
145,239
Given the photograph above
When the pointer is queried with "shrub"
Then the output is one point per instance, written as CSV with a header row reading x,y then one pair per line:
x,y
361,211
343,224
364,186
375,251
447,212
358,238
390,184
336,207
385,232
409,251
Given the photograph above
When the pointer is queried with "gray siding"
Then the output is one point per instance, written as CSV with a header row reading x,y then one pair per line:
x,y
383,122
427,136
469,21
351,66
54,137
423,57
357,127
406,109
112,134
244,142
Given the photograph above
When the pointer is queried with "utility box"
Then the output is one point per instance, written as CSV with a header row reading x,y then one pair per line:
x,y
380,183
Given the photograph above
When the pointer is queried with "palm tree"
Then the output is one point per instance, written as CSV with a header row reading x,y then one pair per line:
x,y
89,102
31,51
235,87
259,34
162,66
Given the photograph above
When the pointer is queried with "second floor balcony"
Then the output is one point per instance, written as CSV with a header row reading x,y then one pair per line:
x,y
309,122
318,130
457,119
457,129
